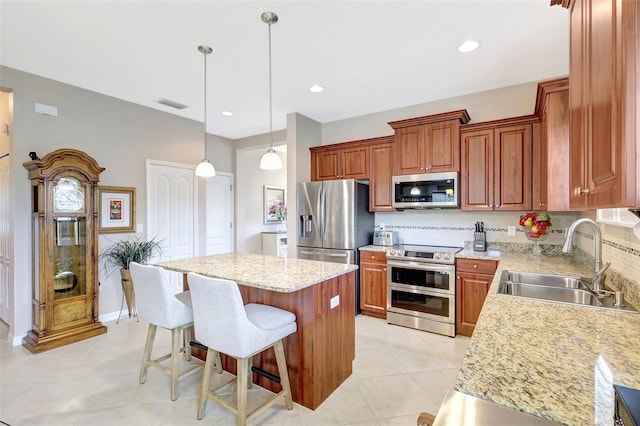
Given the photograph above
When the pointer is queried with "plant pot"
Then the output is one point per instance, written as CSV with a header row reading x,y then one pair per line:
x,y
127,289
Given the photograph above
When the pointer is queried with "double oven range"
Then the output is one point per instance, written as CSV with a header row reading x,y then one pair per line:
x,y
421,288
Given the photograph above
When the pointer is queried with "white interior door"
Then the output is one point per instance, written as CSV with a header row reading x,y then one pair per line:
x,y
219,214
171,207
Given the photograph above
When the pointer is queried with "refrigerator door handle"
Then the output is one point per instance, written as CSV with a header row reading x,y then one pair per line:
x,y
345,255
341,255
321,211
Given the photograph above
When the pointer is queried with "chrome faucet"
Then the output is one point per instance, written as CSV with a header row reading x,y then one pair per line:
x,y
598,274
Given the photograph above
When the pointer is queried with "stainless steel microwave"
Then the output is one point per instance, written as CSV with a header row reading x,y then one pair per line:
x,y
426,191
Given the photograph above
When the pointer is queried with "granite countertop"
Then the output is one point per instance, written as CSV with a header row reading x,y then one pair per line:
x,y
280,274
371,247
552,360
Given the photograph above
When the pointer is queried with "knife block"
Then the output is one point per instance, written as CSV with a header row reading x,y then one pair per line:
x,y
479,241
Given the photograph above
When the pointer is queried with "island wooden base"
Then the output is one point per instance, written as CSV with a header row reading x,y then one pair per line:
x,y
320,354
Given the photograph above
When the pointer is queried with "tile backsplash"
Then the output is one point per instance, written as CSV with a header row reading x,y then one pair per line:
x,y
455,228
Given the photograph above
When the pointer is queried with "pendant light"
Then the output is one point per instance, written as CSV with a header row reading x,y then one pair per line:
x,y
205,168
270,160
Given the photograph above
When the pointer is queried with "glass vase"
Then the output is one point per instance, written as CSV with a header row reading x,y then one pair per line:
x,y
536,236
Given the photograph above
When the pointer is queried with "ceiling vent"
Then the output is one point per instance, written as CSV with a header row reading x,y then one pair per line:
x,y
172,104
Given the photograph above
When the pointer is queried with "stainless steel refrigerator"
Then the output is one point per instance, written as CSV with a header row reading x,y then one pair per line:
x,y
333,221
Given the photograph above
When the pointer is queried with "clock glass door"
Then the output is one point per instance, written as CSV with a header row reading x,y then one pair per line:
x,y
70,272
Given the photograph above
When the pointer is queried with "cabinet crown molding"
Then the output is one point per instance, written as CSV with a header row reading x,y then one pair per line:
x,y
460,114
359,142
546,87
564,3
524,119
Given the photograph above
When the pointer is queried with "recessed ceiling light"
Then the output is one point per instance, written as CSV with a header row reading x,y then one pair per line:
x,y
227,113
468,46
316,88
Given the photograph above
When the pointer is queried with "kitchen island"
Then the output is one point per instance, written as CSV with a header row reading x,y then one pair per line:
x,y
552,360
321,295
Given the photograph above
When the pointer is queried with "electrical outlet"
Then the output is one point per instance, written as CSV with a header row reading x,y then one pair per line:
x,y
512,231
335,301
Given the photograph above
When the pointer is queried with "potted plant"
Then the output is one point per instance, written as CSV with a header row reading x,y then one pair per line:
x,y
121,254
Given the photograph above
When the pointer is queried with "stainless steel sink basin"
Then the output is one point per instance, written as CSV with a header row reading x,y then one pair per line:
x,y
544,279
556,294
556,288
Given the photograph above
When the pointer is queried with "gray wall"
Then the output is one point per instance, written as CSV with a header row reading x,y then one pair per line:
x,y
495,104
119,135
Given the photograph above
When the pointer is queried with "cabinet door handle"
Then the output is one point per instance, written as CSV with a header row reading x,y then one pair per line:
x,y
475,265
458,276
581,191
385,269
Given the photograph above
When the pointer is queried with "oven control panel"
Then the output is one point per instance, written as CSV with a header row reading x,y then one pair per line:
x,y
433,254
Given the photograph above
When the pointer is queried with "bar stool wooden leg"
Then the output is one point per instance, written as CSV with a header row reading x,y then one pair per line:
x,y
175,362
284,375
241,418
426,419
204,388
187,338
146,357
249,372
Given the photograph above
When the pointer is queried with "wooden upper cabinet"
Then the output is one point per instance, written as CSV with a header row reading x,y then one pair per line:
x,y
550,171
428,144
496,170
603,100
477,170
362,159
338,162
355,163
381,170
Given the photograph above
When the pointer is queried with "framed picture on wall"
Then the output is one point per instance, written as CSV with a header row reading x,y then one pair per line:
x,y
117,209
275,209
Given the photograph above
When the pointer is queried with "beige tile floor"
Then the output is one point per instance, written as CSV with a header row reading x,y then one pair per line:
x,y
398,373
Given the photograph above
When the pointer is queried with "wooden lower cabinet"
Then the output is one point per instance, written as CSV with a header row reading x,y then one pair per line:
x,y
473,279
373,283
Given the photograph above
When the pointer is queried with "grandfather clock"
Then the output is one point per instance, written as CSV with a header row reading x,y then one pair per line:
x,y
64,233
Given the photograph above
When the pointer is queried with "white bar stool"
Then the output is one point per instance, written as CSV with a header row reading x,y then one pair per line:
x,y
225,325
157,305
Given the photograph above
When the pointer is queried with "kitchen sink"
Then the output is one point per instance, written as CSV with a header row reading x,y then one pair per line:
x,y
544,279
556,294
556,288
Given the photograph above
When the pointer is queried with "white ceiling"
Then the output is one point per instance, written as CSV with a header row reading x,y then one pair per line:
x,y
370,56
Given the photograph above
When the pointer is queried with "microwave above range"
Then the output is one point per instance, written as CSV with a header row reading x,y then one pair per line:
x,y
426,191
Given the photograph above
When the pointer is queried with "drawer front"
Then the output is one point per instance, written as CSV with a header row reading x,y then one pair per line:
x,y
477,266
373,256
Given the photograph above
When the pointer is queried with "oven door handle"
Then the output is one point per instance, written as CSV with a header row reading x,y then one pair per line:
x,y
445,269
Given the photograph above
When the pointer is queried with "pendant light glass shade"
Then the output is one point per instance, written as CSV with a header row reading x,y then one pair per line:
x,y
205,168
270,160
